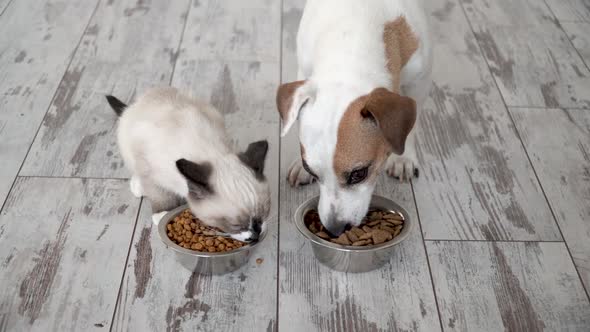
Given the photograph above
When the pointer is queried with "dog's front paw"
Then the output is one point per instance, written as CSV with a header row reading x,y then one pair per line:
x,y
401,167
298,176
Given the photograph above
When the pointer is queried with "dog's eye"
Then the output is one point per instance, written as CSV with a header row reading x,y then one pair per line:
x,y
357,175
306,167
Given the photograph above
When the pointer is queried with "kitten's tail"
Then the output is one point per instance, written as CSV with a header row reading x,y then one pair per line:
x,y
117,105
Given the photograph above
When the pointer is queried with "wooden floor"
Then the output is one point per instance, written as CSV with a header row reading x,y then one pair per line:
x,y
503,199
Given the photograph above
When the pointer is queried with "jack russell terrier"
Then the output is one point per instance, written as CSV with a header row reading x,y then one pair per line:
x,y
363,67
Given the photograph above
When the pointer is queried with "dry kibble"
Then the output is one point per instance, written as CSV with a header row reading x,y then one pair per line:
x,y
351,236
342,239
374,223
188,232
361,243
376,228
380,236
259,260
357,231
323,235
366,236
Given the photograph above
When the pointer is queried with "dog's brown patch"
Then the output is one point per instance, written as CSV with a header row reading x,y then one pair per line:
x,y
359,142
400,44
372,127
285,97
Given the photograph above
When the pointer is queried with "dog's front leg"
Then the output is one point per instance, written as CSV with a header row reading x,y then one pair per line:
x,y
297,175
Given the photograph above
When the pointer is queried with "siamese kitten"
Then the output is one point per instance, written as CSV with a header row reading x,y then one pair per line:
x,y
177,150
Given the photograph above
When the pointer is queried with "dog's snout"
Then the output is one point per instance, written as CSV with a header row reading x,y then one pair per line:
x,y
335,228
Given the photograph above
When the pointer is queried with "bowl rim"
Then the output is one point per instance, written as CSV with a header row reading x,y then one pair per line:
x,y
162,231
309,203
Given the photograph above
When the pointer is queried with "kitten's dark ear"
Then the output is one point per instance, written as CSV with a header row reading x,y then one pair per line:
x,y
254,157
197,176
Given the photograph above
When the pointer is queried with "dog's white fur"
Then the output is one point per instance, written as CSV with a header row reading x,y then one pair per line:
x,y
341,55
163,126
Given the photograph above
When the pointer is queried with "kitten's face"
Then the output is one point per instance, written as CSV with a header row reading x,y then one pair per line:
x,y
231,194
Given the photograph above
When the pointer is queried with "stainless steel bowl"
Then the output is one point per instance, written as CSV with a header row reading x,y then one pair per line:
x,y
205,262
349,258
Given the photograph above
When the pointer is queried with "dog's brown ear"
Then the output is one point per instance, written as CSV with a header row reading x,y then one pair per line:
x,y
394,114
291,97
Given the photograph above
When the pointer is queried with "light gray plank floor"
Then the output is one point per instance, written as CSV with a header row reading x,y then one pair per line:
x,y
63,253
128,47
570,10
37,40
505,189
476,182
579,34
487,286
532,60
562,161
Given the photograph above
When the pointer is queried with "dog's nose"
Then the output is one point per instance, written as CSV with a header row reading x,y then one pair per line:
x,y
336,228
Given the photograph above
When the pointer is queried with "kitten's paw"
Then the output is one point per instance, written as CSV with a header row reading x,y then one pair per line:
x,y
135,186
156,217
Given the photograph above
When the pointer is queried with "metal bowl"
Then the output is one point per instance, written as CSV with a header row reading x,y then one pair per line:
x,y
205,262
348,258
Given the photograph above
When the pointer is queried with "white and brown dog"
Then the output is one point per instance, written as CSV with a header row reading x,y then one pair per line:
x,y
364,66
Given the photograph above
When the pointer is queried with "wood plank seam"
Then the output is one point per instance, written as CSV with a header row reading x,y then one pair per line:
x,y
524,147
566,34
548,108
499,241
7,5
126,262
120,290
50,102
188,10
70,177
278,129
427,257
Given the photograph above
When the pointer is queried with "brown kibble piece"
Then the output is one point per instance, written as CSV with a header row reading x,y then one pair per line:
x,y
374,222
352,237
323,235
361,243
388,229
367,229
221,246
380,236
366,236
342,239
357,231
259,260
